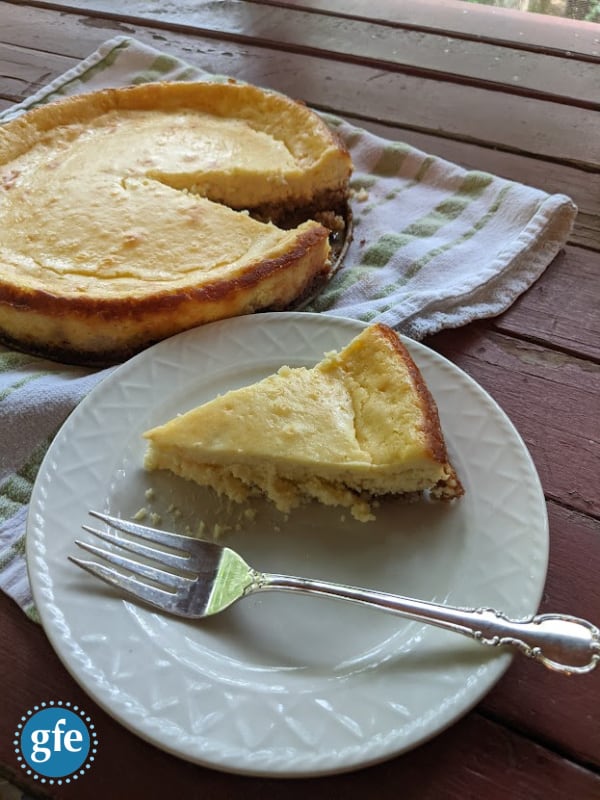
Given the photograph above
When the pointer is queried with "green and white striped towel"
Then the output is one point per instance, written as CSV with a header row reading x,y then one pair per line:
x,y
434,246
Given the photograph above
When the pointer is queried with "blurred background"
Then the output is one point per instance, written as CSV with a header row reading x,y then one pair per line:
x,y
588,10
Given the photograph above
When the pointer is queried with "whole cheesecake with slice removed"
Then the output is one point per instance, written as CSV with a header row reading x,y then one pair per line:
x,y
359,424
129,215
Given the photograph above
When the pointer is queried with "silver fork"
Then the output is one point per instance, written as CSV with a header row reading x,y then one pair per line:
x,y
195,578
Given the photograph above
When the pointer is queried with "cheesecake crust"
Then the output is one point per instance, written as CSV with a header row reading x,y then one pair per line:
x,y
433,429
450,487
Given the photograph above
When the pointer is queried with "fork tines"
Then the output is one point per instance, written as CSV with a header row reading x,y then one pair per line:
x,y
165,585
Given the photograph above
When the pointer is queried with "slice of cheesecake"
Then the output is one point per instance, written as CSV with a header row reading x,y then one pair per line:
x,y
360,424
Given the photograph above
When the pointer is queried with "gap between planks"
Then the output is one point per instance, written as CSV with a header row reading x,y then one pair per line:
x,y
377,44
481,116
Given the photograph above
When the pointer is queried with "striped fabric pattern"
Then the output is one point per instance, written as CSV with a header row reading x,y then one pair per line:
x,y
36,397
434,246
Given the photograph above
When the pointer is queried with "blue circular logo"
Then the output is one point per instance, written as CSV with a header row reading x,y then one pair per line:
x,y
55,742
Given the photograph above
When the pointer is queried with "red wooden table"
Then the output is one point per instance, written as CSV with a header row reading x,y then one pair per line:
x,y
516,95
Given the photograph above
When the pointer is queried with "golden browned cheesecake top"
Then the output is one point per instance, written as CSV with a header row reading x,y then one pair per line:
x,y
132,190
128,215
233,143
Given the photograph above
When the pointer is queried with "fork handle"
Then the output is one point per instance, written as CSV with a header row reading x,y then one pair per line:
x,y
561,642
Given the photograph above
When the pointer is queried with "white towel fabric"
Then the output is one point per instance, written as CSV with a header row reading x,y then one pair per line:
x,y
434,246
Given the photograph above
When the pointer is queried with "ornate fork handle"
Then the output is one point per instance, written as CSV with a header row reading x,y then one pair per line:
x,y
560,642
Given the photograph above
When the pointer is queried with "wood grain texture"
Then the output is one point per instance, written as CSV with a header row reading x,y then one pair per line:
x,y
23,72
579,184
383,43
561,309
476,758
536,702
527,31
497,119
551,398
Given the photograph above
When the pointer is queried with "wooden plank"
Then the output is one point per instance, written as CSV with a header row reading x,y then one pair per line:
x,y
561,308
475,758
508,122
552,399
25,71
537,702
387,45
582,186
530,31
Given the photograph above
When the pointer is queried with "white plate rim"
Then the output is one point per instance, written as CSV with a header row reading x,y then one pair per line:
x,y
299,764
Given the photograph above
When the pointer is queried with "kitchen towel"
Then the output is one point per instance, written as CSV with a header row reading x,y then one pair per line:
x,y
434,246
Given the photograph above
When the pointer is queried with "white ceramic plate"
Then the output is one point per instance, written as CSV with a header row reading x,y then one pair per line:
x,y
282,684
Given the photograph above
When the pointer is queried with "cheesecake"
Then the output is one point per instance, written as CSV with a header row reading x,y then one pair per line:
x,y
358,425
129,215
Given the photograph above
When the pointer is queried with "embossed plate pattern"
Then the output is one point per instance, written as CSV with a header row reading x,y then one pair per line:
x,y
279,684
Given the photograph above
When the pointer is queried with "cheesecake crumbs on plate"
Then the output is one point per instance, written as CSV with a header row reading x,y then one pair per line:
x,y
229,517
